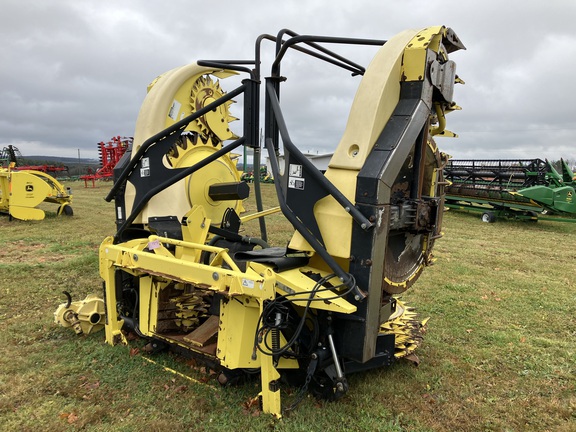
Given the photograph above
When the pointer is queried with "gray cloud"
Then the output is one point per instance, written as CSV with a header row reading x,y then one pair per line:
x,y
75,73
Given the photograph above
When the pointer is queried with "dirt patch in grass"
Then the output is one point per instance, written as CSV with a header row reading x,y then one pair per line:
x,y
21,251
33,252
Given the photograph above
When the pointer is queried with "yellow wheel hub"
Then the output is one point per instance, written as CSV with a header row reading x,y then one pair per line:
x,y
197,185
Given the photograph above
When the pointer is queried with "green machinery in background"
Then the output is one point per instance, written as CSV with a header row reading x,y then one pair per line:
x,y
523,189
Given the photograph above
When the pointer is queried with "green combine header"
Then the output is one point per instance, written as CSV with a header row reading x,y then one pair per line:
x,y
524,189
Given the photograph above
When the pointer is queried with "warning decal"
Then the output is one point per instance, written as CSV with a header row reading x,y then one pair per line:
x,y
296,183
145,167
295,170
174,110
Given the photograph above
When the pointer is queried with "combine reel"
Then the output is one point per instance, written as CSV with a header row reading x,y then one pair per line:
x,y
179,273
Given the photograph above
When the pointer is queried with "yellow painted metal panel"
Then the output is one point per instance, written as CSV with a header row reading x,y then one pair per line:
x,y
294,281
168,101
238,321
334,222
27,190
148,308
415,57
26,213
375,100
22,191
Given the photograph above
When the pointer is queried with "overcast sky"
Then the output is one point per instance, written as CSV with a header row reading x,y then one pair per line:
x,y
74,73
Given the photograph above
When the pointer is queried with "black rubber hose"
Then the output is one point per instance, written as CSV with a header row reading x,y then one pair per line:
x,y
68,298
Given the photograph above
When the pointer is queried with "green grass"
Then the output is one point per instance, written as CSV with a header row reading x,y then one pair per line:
x,y
499,353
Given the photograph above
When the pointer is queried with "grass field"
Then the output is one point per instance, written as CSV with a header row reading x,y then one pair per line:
x,y
499,353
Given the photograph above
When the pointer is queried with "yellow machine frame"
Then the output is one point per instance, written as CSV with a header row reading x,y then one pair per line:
x,y
174,247
238,318
22,191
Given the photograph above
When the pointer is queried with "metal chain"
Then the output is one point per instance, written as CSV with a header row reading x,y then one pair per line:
x,y
304,389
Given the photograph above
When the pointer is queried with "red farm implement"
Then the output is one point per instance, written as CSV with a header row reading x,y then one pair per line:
x,y
110,153
11,154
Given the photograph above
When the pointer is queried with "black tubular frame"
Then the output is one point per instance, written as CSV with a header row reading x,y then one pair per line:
x,y
275,127
171,130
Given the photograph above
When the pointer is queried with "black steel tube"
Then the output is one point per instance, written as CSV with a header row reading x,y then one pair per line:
x,y
258,193
229,64
179,176
251,130
178,126
257,52
312,241
313,40
317,175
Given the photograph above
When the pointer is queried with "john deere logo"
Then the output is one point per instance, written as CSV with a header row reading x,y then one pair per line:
x,y
29,188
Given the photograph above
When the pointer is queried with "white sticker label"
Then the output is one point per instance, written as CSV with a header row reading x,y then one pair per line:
x,y
145,167
295,170
296,183
119,212
247,283
174,110
155,244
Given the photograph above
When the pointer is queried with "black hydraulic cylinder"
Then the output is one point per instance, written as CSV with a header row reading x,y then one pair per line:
x,y
229,191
